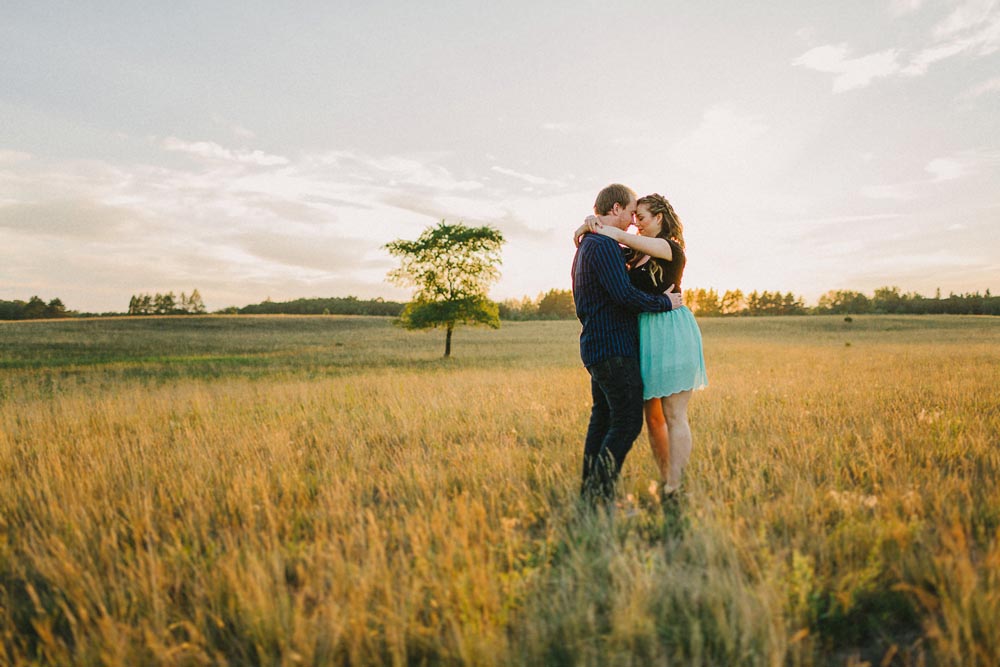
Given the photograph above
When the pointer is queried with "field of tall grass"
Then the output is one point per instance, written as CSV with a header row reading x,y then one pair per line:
x,y
329,491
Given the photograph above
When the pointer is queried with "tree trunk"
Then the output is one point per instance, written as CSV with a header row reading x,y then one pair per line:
x,y
447,341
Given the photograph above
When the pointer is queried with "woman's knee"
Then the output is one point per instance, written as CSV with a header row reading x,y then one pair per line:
x,y
675,411
655,418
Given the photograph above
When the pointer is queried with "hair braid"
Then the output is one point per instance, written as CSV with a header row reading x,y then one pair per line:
x,y
672,227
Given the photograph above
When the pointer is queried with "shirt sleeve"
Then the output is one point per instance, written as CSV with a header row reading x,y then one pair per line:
x,y
611,274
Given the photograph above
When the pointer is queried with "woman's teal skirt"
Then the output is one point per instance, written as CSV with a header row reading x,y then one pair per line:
x,y
670,354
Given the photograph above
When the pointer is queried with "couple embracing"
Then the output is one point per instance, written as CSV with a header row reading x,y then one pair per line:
x,y
640,344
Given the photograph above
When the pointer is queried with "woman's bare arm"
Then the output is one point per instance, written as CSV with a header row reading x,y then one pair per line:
x,y
655,247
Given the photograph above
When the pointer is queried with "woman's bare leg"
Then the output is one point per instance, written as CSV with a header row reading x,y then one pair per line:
x,y
674,409
659,439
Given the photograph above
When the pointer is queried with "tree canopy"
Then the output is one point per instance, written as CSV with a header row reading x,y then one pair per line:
x,y
452,267
33,309
166,304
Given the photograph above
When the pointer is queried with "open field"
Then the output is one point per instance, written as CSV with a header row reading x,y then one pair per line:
x,y
327,490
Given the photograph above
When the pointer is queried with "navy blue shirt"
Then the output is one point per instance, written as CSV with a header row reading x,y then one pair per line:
x,y
606,302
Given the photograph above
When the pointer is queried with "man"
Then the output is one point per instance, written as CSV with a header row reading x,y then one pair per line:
x,y
607,305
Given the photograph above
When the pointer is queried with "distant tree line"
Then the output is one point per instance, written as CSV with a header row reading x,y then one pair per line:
x,y
884,301
32,309
708,303
166,304
889,300
348,305
558,304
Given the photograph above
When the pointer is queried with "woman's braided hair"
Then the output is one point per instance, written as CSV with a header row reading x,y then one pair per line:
x,y
672,227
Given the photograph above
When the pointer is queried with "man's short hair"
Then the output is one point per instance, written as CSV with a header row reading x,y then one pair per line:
x,y
616,193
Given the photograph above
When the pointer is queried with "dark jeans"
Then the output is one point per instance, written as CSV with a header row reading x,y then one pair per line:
x,y
615,423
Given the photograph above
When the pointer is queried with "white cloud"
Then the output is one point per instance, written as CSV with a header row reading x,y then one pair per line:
x,y
968,29
921,61
313,225
562,128
68,218
899,8
306,248
213,151
840,219
944,169
859,72
826,58
963,163
941,170
534,180
850,72
988,87
242,132
939,259
236,129
969,14
13,157
894,192
805,34
973,27
723,140
398,170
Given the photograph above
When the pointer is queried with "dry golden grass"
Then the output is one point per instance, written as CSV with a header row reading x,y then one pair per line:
x,y
284,491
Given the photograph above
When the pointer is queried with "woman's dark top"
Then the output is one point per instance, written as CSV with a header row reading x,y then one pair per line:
x,y
655,275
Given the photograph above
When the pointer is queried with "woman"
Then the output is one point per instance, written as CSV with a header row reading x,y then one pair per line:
x,y
670,350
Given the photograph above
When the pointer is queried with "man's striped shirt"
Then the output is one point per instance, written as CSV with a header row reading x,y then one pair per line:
x,y
606,302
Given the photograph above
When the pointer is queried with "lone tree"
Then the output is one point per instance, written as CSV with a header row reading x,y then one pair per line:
x,y
452,267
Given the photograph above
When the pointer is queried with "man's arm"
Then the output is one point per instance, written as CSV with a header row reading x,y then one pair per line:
x,y
611,274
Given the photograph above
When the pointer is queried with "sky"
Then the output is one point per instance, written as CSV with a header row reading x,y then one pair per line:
x,y
259,150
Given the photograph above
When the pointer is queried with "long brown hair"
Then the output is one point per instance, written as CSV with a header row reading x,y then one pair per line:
x,y
671,227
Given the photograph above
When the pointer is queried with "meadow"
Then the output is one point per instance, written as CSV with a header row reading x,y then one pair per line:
x,y
330,491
